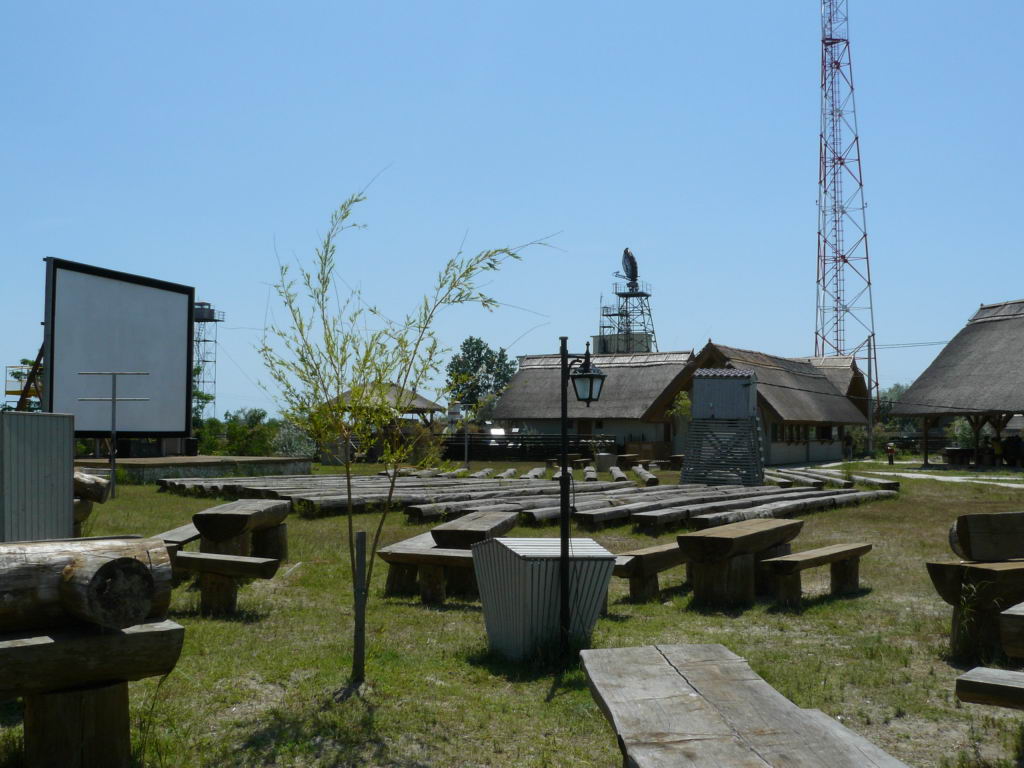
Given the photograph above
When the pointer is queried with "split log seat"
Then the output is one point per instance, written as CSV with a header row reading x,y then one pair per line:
x,y
703,706
418,564
724,558
844,560
465,531
978,592
988,537
642,566
74,682
241,539
998,687
1011,631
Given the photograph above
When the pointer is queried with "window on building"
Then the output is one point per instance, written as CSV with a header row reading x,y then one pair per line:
x,y
824,433
775,432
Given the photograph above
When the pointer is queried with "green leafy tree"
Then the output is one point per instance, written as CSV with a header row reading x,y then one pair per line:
x,y
247,432
477,371
345,373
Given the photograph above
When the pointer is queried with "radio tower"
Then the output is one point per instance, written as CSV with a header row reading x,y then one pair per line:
x,y
845,317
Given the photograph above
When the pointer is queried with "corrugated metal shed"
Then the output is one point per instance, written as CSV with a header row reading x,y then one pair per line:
x,y
723,393
518,580
36,475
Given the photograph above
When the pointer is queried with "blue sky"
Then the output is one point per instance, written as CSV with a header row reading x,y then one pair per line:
x,y
191,142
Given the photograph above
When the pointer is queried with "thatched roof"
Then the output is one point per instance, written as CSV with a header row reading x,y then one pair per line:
x,y
978,371
419,404
810,390
640,385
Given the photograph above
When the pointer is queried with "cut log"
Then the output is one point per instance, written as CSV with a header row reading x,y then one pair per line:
x,y
70,658
114,593
79,729
34,575
1011,630
82,508
271,542
238,517
618,475
507,474
716,544
998,687
590,474
646,477
477,526
91,487
991,536
485,472
227,565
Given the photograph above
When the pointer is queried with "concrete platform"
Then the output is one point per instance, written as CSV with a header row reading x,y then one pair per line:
x,y
150,470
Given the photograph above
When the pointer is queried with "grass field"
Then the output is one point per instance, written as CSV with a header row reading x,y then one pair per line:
x,y
259,689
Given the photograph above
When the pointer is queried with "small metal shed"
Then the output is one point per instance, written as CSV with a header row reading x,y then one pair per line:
x,y
37,466
723,393
518,581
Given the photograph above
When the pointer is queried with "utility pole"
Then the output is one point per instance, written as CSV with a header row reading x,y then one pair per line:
x,y
845,322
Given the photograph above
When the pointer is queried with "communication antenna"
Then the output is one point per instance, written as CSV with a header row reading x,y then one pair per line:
x,y
627,325
845,323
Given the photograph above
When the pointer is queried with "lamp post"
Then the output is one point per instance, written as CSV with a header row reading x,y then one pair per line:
x,y
587,381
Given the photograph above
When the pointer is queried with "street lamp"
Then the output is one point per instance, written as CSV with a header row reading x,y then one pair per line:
x,y
587,382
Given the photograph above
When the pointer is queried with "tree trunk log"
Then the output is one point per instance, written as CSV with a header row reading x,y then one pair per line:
x,y
271,542
237,517
56,583
91,487
111,593
84,656
79,729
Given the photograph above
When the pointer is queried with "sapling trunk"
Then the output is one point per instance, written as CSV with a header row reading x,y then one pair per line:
x,y
359,590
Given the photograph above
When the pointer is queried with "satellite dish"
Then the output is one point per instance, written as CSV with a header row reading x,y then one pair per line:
x,y
629,270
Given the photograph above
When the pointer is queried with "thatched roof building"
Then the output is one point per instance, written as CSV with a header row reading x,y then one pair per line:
x,y
639,386
978,372
814,390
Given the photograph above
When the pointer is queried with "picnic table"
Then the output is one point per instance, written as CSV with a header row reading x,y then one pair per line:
x,y
702,705
724,559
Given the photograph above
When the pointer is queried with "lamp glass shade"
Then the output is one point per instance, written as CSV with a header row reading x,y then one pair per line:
x,y
587,385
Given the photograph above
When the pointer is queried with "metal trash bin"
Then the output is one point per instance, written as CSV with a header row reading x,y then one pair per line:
x,y
605,461
518,581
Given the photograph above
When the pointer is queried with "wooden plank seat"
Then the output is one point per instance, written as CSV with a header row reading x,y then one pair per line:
x,y
998,687
978,592
988,537
642,566
724,558
844,560
418,564
703,706
465,531
227,565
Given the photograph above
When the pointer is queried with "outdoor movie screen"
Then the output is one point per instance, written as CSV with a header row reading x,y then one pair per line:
x,y
99,320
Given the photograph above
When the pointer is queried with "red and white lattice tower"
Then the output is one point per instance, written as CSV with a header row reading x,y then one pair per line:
x,y
845,317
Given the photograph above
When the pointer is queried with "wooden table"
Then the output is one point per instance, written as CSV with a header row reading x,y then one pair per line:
x,y
702,705
725,558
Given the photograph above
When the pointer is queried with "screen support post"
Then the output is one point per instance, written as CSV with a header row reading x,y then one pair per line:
x,y
113,400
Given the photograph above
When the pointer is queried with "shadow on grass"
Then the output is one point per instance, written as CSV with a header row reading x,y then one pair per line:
x,y
826,598
245,616
325,732
454,604
547,663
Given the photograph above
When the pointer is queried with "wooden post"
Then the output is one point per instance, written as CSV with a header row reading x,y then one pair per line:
x,y
79,729
219,594
845,576
924,438
764,579
788,589
432,583
359,588
401,580
724,582
271,542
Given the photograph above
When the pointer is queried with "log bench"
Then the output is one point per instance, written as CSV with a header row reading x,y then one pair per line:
x,y
978,592
844,560
998,687
642,566
419,565
463,532
241,539
703,706
724,559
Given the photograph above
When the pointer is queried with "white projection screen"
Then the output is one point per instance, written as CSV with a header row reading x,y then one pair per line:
x,y
101,320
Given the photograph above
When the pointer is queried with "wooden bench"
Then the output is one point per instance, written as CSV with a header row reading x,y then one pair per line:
x,y
998,687
978,593
642,566
463,532
703,706
418,564
724,558
844,560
